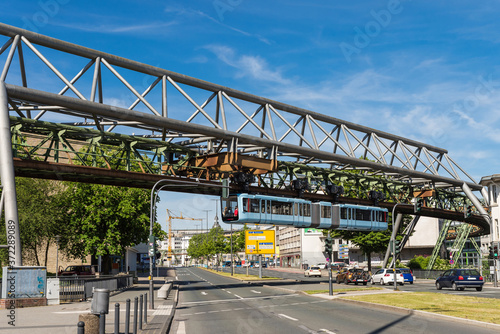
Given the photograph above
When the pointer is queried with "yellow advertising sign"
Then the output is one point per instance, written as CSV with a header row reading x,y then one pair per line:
x,y
259,242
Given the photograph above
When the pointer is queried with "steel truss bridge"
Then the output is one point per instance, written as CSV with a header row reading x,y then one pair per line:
x,y
78,114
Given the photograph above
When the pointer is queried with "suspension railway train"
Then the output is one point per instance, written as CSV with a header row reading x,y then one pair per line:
x,y
263,209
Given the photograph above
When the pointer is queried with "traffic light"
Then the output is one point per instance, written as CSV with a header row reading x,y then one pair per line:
x,y
397,247
328,245
152,246
419,202
491,252
496,255
468,211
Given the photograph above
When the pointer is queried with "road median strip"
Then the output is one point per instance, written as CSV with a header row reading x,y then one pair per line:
x,y
242,277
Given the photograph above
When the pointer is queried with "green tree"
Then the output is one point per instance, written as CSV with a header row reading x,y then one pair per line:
x,y
197,247
106,219
41,211
369,242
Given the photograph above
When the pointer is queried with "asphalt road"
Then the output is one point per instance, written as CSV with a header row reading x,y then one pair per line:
x,y
209,303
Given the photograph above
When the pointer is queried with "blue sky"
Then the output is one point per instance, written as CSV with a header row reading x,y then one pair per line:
x,y
425,70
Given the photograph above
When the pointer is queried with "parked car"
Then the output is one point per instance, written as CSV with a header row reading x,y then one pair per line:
x,y
321,265
386,276
355,275
338,265
312,271
407,275
78,270
459,279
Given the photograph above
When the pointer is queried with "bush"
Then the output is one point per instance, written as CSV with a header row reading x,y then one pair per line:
x,y
420,262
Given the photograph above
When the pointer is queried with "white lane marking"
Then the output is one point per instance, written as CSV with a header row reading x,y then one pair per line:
x,y
229,292
182,328
255,291
288,317
204,293
233,300
327,331
68,312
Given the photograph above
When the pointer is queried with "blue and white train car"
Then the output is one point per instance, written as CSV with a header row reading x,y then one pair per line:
x,y
263,209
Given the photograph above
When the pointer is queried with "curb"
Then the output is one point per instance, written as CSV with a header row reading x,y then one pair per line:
x,y
168,323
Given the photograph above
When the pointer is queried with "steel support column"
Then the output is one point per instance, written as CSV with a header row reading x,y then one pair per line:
x,y
8,182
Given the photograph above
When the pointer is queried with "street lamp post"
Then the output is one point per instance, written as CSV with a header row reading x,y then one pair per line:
x,y
395,227
57,254
152,214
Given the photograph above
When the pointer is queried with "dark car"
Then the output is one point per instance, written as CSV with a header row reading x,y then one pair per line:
x,y
407,275
459,279
78,270
355,275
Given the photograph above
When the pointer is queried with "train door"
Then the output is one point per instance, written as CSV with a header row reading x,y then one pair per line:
x,y
265,209
351,218
298,216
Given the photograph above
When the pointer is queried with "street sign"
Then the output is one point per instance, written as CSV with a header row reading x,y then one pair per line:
x,y
259,242
452,262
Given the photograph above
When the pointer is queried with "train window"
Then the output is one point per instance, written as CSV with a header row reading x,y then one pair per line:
x,y
281,208
326,211
296,208
363,214
268,206
343,213
255,205
307,210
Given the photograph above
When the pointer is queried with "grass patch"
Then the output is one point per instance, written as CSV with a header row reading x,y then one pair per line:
x,y
312,292
242,277
474,308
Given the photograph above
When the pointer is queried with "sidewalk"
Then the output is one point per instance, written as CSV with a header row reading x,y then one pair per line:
x,y
63,318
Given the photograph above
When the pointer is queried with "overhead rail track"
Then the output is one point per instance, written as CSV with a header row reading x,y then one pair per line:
x,y
176,126
258,125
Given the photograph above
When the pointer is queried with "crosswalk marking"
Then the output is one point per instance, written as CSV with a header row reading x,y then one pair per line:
x,y
163,310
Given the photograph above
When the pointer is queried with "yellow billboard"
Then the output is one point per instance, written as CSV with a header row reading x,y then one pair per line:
x,y
259,242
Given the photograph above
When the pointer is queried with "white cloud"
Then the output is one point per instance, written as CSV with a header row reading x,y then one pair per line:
x,y
154,27
248,66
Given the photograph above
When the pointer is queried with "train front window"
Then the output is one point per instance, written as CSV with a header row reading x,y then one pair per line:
x,y
229,206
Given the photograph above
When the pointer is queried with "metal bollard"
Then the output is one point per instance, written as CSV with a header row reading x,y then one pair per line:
x,y
127,316
145,308
81,328
140,311
134,330
117,318
102,323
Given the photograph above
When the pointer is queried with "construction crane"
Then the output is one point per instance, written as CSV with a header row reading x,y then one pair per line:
x,y
171,216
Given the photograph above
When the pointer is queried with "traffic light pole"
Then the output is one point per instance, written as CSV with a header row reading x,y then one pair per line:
x,y
330,282
495,283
